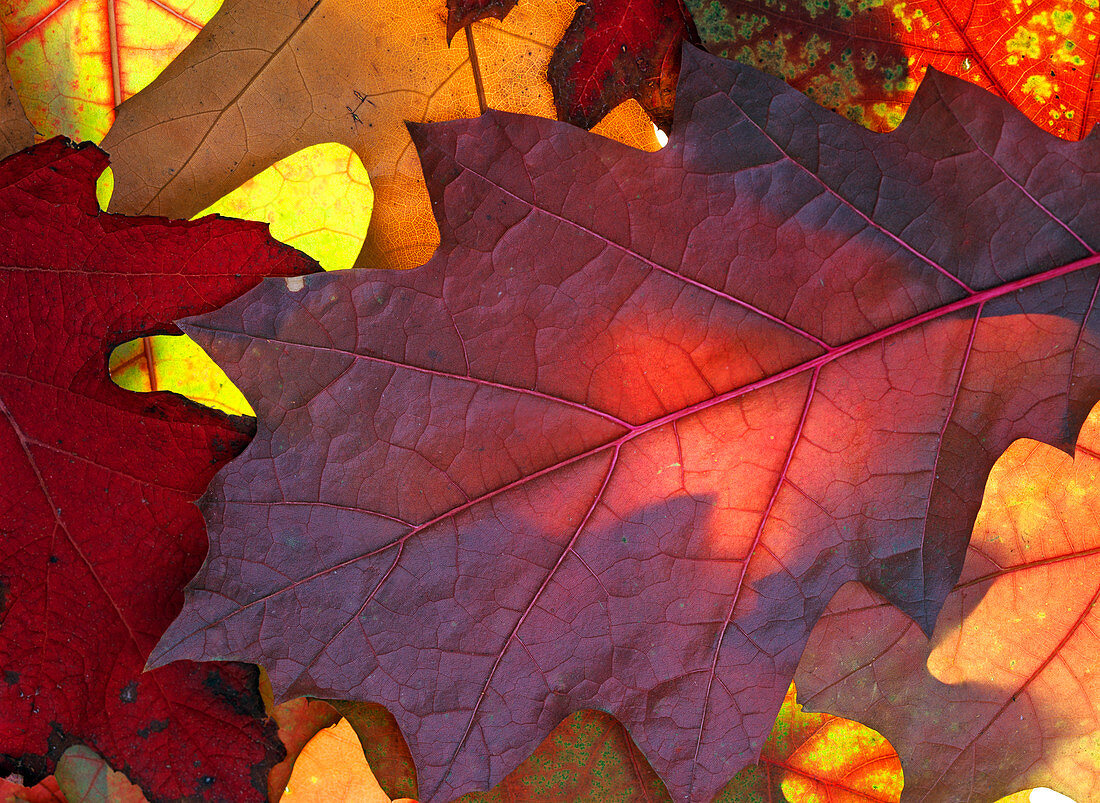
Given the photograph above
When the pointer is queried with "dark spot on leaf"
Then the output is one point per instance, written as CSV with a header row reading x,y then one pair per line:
x,y
129,692
10,677
245,699
154,726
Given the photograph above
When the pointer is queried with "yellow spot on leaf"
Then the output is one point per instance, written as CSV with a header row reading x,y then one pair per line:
x,y
1039,87
1025,43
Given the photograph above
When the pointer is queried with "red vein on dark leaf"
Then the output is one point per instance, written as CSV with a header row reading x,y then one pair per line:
x,y
845,202
530,606
934,474
633,431
795,440
657,266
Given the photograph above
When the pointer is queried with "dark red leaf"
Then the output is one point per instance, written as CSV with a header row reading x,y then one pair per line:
x,y
620,440
461,13
98,532
615,50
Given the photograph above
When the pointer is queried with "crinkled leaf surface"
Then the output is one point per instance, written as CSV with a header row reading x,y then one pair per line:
x,y
97,526
264,79
1005,696
865,59
620,440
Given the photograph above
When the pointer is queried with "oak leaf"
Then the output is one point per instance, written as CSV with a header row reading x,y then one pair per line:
x,y
866,59
617,50
620,440
264,79
1005,695
98,531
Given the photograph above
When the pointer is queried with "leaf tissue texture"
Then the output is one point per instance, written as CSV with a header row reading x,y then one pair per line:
x,y
617,444
16,131
620,49
98,530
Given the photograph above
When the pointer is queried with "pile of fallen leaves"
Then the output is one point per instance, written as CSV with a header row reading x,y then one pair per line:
x,y
608,456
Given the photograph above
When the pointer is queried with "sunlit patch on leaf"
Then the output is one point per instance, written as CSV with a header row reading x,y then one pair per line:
x,y
318,200
1008,676
178,364
332,769
819,757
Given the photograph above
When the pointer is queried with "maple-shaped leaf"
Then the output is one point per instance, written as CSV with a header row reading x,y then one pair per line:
x,y
617,444
866,59
1005,696
616,50
98,533
16,131
264,79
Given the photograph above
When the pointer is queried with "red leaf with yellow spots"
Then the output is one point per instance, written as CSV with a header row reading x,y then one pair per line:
x,y
865,60
98,530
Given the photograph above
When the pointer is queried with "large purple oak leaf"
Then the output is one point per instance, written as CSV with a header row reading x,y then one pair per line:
x,y
617,444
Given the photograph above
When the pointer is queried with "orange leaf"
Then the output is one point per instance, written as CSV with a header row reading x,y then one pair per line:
x,y
1006,694
331,769
265,79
